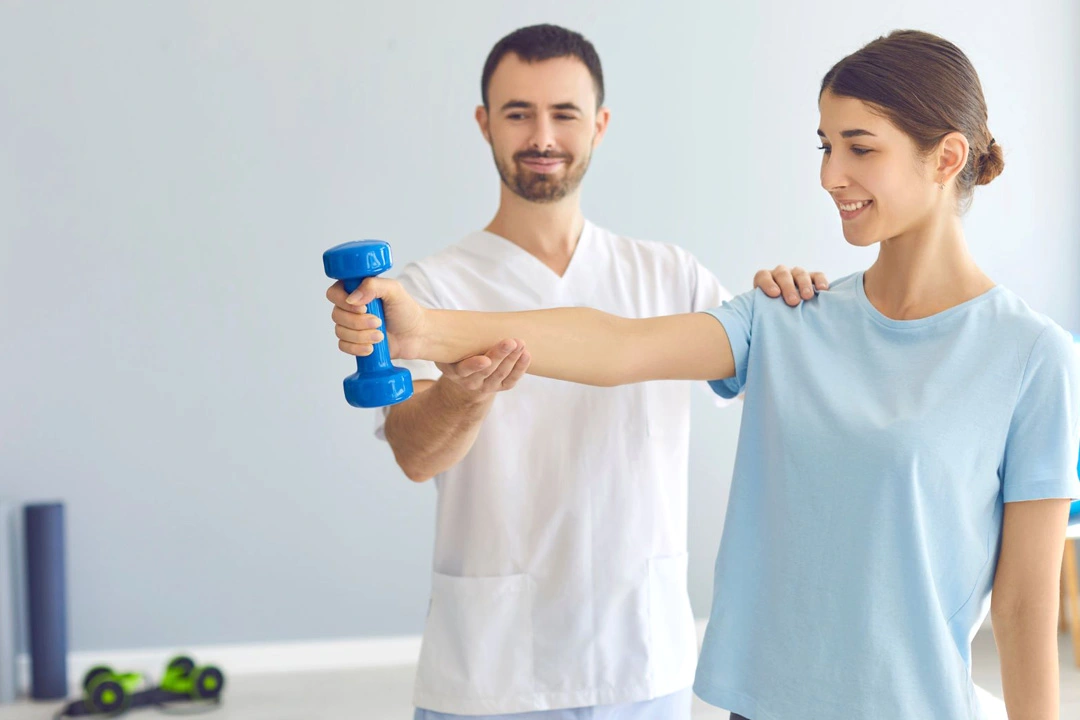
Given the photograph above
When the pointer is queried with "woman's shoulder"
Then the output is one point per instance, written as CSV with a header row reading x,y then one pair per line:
x,y
1011,312
1036,336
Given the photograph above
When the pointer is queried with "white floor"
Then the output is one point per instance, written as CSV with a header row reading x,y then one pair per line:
x,y
383,694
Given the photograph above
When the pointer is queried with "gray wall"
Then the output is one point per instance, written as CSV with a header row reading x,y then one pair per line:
x,y
171,172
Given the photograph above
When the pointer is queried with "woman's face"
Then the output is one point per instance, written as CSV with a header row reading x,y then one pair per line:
x,y
872,170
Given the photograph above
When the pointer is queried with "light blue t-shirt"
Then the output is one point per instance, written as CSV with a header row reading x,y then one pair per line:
x,y
864,523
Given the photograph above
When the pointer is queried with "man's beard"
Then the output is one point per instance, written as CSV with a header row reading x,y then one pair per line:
x,y
541,187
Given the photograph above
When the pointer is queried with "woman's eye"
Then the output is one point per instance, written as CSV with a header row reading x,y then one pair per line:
x,y
826,148
860,151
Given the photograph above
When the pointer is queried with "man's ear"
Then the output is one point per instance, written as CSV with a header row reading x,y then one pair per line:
x,y
483,121
603,117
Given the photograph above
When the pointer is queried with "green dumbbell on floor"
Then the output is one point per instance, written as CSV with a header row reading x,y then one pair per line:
x,y
184,677
105,691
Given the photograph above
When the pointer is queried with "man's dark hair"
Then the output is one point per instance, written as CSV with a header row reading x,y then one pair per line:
x,y
544,42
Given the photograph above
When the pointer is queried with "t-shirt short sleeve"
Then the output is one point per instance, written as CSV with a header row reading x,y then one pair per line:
x,y
708,292
1041,448
736,315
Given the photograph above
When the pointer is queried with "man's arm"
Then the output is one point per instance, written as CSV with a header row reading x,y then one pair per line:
x,y
435,428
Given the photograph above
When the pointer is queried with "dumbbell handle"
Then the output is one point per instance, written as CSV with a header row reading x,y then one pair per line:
x,y
379,359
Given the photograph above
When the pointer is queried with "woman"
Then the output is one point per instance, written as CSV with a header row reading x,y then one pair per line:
x,y
880,492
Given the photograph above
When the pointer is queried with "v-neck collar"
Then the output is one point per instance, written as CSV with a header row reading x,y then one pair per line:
x,y
534,273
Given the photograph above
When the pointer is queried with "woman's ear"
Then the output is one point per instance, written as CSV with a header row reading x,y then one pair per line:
x,y
952,155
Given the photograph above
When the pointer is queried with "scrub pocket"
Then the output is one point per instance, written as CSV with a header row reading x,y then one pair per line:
x,y
478,641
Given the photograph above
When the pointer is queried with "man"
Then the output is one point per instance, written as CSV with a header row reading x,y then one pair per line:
x,y
559,584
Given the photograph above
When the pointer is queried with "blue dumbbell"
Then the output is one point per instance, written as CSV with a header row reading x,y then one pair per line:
x,y
376,382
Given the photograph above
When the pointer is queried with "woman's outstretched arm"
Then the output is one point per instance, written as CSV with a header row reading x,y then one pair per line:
x,y
575,344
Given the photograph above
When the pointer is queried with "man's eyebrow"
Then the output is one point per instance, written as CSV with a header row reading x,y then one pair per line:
x,y
526,105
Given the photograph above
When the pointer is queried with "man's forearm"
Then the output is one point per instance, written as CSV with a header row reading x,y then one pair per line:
x,y
1027,645
434,430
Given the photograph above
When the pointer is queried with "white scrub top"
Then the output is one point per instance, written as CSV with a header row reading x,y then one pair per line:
x,y
560,551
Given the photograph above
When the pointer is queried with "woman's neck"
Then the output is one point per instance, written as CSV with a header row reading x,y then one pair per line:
x,y
924,271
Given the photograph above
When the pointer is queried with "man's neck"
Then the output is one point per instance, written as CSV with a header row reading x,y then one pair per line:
x,y
548,231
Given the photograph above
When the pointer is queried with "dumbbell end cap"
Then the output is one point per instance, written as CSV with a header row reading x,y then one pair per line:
x,y
357,259
380,389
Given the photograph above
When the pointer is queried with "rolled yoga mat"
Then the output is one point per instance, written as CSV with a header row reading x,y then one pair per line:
x,y
8,643
46,600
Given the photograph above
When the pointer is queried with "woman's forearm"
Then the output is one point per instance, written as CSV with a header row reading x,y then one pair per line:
x,y
576,344
1024,606
589,346
1026,638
